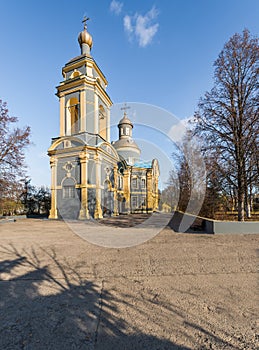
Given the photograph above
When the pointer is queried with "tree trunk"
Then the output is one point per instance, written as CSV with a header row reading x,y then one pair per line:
x,y
247,202
248,209
241,211
251,202
241,195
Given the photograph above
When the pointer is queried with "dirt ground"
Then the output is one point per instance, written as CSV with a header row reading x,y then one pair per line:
x,y
176,291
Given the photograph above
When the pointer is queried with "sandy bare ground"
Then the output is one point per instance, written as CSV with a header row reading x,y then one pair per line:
x,y
176,291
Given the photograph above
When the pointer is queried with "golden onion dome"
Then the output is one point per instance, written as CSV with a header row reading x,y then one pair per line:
x,y
84,37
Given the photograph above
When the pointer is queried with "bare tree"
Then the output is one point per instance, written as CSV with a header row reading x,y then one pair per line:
x,y
13,141
191,173
227,119
170,194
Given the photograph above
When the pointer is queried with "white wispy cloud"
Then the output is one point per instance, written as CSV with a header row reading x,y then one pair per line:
x,y
116,7
178,130
127,24
143,28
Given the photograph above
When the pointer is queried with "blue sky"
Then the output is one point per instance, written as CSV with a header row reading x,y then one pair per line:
x,y
152,52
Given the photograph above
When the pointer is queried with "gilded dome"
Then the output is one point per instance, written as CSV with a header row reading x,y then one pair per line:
x,y
85,38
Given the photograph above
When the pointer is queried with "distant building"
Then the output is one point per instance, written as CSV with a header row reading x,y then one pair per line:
x,y
89,175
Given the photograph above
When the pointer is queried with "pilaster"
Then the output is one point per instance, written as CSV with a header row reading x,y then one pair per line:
x,y
115,193
84,212
126,185
53,212
156,194
149,192
98,214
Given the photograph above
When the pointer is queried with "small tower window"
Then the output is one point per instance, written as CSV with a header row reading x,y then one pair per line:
x,y
73,116
75,74
127,132
143,183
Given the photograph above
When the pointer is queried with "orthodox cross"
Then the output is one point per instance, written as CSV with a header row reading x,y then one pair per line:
x,y
124,108
85,19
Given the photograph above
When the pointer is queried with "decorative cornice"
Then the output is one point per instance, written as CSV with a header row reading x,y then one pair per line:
x,y
70,86
85,59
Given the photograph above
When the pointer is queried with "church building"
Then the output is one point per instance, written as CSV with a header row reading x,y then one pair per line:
x,y
91,176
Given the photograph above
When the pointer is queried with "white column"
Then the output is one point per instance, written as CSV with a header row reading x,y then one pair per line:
x,y
108,126
96,113
82,111
62,115
68,121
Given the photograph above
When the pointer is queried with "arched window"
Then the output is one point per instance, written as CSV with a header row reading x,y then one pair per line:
x,y
107,198
69,203
134,183
75,74
73,114
120,182
102,122
68,189
101,112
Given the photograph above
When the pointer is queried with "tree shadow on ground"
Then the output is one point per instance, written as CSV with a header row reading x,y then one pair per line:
x,y
197,330
50,306
124,221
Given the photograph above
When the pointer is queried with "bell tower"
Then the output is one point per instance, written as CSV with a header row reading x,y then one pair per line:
x,y
84,102
90,177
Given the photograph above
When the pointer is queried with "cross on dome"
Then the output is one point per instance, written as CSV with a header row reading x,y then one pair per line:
x,y
85,39
125,108
85,19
